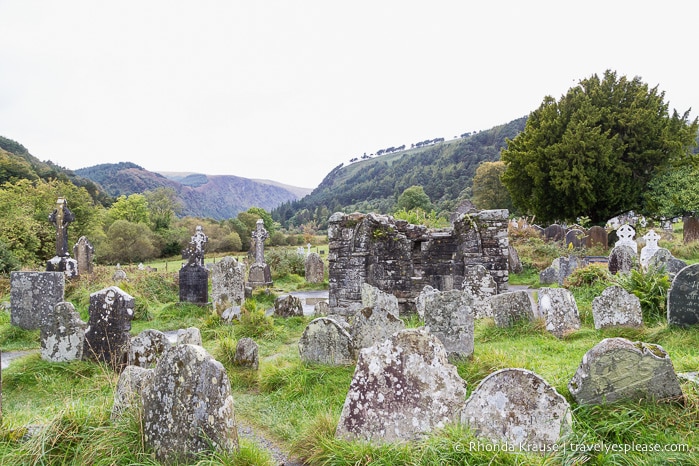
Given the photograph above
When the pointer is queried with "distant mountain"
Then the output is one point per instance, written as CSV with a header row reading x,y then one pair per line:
x,y
214,196
445,170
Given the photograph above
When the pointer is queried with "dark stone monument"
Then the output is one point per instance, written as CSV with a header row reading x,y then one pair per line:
x,y
597,236
683,297
61,217
194,277
554,232
690,230
107,336
83,251
259,274
575,238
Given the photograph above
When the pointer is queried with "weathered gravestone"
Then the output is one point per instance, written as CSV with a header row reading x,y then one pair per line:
x,y
62,334
194,284
288,306
622,259
259,274
616,307
449,317
373,297
315,268
690,230
119,274
189,336
227,284
650,248
479,284
663,259
560,269
129,388
514,264
324,341
518,408
61,217
420,299
618,369
560,310
246,354
510,308
187,406
683,297
83,252
146,348
597,236
371,326
321,309
575,238
107,337
402,389
33,296
554,232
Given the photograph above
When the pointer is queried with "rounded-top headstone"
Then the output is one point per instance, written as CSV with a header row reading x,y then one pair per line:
x,y
683,297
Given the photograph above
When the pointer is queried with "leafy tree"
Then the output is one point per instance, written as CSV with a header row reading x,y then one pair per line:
x,y
593,152
163,206
414,197
265,216
128,242
133,208
488,190
673,192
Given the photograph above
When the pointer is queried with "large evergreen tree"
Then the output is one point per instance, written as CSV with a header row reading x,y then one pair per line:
x,y
593,152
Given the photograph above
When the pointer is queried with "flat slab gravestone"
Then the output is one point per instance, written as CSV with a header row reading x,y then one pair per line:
x,y
518,408
227,284
618,369
33,296
62,334
371,326
449,317
683,297
402,389
616,307
324,341
107,337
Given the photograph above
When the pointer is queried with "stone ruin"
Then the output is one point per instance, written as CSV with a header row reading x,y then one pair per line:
x,y
402,258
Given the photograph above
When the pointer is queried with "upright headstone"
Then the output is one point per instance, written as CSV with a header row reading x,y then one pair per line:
x,y
622,259
33,296
194,277
107,337
625,235
663,259
373,325
560,310
650,248
618,369
616,307
422,297
62,334
315,269
83,252
259,274
514,264
227,284
188,406
119,274
61,217
402,389
575,238
518,408
597,236
147,347
510,308
683,298
480,285
374,297
324,341
129,389
554,232
449,316
246,354
189,336
690,230
288,306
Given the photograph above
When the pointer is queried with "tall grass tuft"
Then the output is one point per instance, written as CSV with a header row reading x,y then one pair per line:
x,y
651,289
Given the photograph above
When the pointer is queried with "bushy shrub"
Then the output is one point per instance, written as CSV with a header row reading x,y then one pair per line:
x,y
651,289
283,262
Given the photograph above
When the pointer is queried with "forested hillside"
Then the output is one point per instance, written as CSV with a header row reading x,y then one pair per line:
x,y
445,170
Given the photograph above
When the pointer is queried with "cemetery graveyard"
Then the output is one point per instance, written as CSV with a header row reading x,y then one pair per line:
x,y
421,335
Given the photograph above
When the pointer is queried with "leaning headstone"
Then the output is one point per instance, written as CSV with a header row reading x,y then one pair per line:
x,y
616,307
62,334
227,284
554,232
188,407
402,389
650,248
315,268
560,269
83,252
518,408
663,259
560,310
514,264
597,237
231,314
625,235
690,230
61,217
246,354
449,316
480,285
373,325
189,336
682,298
374,297
129,388
107,337
510,308
324,341
146,348
622,259
618,369
575,238
259,274
288,306
33,296
420,299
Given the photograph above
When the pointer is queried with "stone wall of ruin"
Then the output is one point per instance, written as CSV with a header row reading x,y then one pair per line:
x,y
401,258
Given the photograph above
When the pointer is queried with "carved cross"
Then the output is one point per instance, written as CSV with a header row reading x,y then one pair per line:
x,y
260,235
60,218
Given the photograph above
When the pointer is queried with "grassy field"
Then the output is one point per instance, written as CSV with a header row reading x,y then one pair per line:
x,y
59,413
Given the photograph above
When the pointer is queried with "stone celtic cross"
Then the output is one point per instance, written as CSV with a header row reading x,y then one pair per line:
x,y
60,218
260,235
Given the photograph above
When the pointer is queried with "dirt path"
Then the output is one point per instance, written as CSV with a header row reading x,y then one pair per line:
x,y
278,455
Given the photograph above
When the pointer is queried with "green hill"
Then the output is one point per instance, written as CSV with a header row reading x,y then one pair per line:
x,y
445,170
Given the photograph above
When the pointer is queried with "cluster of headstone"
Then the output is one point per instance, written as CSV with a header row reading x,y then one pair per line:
x,y
575,236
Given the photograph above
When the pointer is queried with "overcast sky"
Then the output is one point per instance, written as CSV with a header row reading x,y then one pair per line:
x,y
287,90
